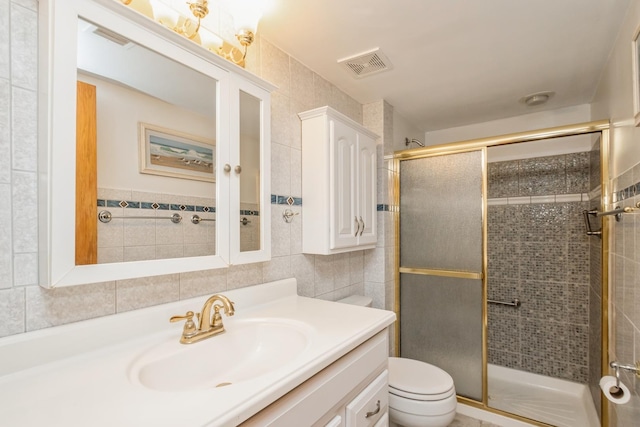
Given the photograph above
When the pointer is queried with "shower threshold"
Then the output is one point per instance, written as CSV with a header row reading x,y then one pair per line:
x,y
554,401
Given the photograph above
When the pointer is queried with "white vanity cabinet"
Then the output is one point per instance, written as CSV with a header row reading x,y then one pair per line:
x,y
351,392
338,183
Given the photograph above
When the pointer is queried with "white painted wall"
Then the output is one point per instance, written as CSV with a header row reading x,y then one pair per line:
x,y
533,121
119,111
614,97
403,129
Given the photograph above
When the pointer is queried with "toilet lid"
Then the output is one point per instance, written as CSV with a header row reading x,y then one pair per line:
x,y
416,377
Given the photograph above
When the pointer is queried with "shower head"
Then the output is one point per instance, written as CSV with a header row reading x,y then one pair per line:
x,y
408,141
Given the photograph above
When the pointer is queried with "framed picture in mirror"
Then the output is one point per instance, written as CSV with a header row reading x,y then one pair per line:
x,y
176,154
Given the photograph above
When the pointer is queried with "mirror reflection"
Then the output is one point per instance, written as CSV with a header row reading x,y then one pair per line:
x,y
152,131
250,209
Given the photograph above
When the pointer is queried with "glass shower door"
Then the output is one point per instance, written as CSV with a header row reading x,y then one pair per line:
x,y
442,265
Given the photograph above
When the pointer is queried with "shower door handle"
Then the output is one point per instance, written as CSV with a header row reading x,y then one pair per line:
x,y
587,223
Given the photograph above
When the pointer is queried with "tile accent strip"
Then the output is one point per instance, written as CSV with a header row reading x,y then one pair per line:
x,y
383,208
284,200
626,193
128,204
531,200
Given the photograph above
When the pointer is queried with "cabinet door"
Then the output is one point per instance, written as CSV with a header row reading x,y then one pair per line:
x,y
248,172
366,189
343,176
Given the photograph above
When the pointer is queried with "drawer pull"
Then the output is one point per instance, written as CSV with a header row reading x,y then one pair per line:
x,y
372,413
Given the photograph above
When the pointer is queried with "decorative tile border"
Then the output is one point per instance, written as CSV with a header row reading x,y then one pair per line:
x,y
128,204
530,200
383,208
626,193
286,200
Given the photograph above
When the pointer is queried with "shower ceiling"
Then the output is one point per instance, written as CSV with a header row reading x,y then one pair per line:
x,y
454,62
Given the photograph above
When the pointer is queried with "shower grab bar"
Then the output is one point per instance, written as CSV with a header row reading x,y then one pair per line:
x,y
514,303
105,216
587,224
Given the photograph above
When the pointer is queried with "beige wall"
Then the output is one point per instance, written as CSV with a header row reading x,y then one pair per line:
x,y
613,100
24,306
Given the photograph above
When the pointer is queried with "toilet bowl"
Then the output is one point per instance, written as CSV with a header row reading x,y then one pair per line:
x,y
420,394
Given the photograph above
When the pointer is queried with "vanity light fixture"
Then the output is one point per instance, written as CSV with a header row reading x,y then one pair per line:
x,y
246,15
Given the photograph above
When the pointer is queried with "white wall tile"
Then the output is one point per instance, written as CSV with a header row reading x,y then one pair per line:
x,y
342,271
280,169
239,276
301,85
5,40
296,173
58,306
169,251
324,274
108,255
374,264
24,119
139,253
280,119
25,267
303,269
24,47
376,291
207,282
356,267
275,67
12,311
5,127
280,232
276,269
6,246
296,230
25,215
132,294
322,92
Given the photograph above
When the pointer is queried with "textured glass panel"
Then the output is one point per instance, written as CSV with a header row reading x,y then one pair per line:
x,y
441,212
441,324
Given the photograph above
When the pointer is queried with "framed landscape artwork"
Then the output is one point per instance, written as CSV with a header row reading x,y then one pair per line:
x,y
176,154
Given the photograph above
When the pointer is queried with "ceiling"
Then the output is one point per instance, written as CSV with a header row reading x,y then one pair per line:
x,y
454,62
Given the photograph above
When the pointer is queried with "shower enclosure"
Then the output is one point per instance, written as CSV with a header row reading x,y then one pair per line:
x,y
497,282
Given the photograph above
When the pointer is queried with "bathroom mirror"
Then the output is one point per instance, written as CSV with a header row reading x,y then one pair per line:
x,y
250,207
155,123
162,95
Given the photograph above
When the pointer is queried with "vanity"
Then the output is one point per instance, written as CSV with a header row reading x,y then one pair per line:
x,y
283,360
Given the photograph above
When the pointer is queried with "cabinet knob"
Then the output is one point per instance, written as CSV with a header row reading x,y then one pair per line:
x,y
238,169
227,167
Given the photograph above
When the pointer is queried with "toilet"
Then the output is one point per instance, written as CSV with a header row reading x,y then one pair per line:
x,y
420,394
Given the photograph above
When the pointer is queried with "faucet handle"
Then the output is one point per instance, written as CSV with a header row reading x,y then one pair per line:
x,y
189,326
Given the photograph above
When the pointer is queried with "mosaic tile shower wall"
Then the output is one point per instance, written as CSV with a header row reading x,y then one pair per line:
x,y
538,252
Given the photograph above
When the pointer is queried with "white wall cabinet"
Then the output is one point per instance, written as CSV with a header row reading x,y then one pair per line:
x,y
338,183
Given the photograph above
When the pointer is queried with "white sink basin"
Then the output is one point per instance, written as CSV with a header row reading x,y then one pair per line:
x,y
247,350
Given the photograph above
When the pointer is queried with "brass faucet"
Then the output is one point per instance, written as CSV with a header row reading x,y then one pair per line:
x,y
207,326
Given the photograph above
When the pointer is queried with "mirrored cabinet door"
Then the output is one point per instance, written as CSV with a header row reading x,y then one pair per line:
x,y
250,178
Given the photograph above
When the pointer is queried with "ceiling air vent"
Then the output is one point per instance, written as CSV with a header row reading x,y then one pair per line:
x,y
111,36
366,64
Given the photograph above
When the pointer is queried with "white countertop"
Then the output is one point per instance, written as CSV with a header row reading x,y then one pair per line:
x,y
81,374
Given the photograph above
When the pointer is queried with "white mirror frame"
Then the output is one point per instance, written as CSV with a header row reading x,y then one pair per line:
x,y
58,21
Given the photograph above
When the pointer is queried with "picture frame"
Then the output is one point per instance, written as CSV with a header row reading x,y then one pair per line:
x,y
176,154
636,76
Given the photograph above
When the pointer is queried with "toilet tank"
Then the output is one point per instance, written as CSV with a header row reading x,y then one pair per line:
x,y
357,300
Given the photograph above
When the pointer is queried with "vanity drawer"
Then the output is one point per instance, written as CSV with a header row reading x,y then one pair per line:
x,y
370,405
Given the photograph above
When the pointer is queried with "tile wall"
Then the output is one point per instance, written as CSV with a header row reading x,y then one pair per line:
x,y
538,252
624,290
24,306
